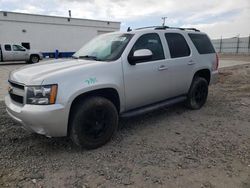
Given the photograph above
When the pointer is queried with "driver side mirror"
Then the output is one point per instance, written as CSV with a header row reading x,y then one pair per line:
x,y
139,56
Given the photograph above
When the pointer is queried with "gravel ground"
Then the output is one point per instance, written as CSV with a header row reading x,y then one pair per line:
x,y
172,147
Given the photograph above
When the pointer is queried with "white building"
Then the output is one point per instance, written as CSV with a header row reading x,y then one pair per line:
x,y
51,33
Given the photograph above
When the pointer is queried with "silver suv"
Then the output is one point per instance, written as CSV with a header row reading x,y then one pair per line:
x,y
120,74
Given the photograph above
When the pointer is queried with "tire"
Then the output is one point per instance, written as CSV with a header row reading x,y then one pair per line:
x,y
93,122
34,59
197,95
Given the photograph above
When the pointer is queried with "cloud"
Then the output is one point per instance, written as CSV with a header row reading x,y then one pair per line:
x,y
212,16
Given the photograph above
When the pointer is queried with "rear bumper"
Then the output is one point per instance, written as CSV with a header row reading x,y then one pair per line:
x,y
49,120
214,77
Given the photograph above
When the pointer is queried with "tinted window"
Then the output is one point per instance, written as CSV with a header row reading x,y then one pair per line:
x,y
152,42
7,47
177,44
26,45
202,43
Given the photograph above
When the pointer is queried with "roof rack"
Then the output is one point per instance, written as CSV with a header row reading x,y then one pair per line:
x,y
167,27
180,28
194,29
148,27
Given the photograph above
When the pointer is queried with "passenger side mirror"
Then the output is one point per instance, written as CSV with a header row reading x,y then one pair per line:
x,y
140,55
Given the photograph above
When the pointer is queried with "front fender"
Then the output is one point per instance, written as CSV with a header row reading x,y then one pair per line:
x,y
97,87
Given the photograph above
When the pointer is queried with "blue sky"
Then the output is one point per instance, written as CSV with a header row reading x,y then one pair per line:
x,y
226,18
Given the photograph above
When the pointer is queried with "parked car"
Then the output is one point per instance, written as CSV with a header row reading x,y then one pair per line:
x,y
120,74
15,52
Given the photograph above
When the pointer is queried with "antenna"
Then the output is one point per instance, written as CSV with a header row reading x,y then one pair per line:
x,y
163,20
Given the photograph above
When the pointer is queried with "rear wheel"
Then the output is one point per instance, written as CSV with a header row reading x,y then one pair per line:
x,y
198,92
93,122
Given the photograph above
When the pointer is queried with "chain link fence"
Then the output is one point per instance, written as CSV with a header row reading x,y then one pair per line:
x,y
235,45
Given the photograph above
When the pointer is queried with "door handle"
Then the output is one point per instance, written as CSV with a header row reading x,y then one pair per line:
x,y
162,67
191,62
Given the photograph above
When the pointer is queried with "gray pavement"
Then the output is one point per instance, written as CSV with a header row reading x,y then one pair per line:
x,y
6,68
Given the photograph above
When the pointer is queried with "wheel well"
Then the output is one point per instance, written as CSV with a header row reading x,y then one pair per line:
x,y
204,73
35,55
108,93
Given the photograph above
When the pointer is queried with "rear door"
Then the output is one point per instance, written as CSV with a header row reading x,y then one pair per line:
x,y
7,52
180,64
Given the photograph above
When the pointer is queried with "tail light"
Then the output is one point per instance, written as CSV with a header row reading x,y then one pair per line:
x,y
217,62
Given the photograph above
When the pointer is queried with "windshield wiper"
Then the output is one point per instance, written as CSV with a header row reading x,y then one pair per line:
x,y
88,57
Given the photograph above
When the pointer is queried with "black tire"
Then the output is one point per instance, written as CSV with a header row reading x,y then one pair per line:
x,y
93,122
197,95
34,59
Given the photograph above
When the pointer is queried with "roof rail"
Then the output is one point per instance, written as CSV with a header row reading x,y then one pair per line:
x,y
194,29
167,27
180,28
148,27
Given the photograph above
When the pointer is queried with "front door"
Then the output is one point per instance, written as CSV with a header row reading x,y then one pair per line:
x,y
20,53
145,82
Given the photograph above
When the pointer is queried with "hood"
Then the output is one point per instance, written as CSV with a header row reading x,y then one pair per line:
x,y
35,74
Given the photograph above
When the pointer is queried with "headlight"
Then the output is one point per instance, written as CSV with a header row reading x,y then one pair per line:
x,y
42,95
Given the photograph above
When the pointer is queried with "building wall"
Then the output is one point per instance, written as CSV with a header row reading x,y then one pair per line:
x,y
47,33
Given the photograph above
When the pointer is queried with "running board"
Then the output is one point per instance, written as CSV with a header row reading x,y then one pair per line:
x,y
152,107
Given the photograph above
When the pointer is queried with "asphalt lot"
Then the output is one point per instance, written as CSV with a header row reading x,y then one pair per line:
x,y
6,68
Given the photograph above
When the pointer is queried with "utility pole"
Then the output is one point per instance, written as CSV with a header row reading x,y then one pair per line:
x,y
163,20
220,44
238,44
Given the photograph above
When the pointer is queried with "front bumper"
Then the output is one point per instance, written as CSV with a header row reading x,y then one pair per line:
x,y
41,56
214,77
49,120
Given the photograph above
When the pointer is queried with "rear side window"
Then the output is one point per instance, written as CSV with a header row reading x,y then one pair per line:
x,y
202,43
7,47
177,44
152,42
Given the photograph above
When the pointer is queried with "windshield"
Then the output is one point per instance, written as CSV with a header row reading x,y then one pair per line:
x,y
107,47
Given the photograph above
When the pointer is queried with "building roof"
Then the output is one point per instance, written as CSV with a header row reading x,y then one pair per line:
x,y
56,20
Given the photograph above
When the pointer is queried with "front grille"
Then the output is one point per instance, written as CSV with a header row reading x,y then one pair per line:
x,y
16,92
16,85
16,98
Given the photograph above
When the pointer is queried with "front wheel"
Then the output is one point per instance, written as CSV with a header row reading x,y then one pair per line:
x,y
93,122
34,59
198,92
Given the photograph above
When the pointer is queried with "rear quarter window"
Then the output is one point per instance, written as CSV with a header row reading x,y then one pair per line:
x,y
202,43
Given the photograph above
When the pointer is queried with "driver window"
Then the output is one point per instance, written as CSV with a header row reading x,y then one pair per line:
x,y
152,42
18,48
